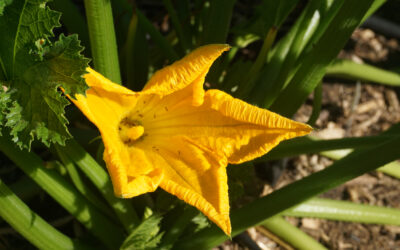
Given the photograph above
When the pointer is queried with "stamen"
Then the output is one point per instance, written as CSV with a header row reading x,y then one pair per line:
x,y
135,132
130,130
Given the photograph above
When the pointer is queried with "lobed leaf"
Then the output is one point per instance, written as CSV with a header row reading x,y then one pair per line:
x,y
34,69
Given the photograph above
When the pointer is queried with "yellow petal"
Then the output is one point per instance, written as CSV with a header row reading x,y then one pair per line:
x,y
96,80
226,125
198,141
185,71
106,104
132,171
194,174
275,128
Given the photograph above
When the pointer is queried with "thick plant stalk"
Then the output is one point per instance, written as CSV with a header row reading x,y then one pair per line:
x,y
102,38
123,208
291,234
351,70
64,193
345,211
36,230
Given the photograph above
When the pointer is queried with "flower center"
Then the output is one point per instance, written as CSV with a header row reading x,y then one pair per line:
x,y
130,131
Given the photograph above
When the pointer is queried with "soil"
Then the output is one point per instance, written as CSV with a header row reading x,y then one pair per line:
x,y
348,109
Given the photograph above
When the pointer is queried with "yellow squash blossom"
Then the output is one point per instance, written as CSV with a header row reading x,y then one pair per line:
x,y
176,136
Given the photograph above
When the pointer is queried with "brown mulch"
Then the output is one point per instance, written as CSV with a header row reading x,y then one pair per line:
x,y
347,110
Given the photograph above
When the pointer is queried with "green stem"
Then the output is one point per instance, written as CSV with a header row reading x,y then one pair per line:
x,y
123,208
80,185
30,225
317,102
64,193
291,234
392,169
102,38
312,144
355,71
345,211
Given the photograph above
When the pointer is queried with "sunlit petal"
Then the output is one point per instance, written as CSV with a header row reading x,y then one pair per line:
x,y
185,71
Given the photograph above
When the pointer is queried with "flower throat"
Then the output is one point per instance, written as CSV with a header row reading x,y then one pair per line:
x,y
130,131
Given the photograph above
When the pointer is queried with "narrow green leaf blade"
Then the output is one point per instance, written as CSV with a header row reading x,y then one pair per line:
x,y
291,234
314,65
217,21
365,72
345,211
312,145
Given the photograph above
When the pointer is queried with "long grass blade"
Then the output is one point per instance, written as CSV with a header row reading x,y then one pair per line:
x,y
345,211
291,234
218,19
314,65
350,70
312,145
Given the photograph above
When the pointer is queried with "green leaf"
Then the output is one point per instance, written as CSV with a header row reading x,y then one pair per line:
x,y
41,106
217,21
3,4
34,69
314,64
5,102
145,236
23,23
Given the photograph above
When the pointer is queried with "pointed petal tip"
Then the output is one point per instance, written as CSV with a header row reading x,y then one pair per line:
x,y
183,72
303,128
